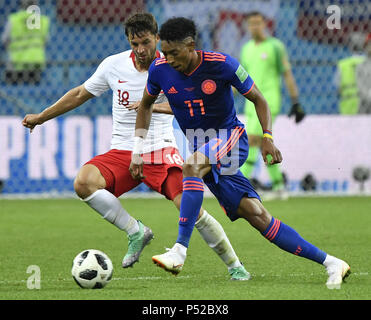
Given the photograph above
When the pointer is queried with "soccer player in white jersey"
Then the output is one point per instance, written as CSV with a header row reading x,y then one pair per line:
x,y
104,178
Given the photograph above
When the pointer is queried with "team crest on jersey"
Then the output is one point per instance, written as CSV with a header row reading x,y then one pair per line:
x,y
208,86
264,55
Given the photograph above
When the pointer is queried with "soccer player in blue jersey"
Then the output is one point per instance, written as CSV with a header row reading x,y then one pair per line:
x,y
198,86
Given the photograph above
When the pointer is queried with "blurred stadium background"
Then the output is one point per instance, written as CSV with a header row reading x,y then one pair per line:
x,y
326,146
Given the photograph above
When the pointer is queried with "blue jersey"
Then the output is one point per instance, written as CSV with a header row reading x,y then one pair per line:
x,y
202,99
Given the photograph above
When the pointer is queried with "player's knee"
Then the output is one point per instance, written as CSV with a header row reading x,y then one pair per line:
x,y
189,170
83,188
87,182
254,212
195,170
257,216
197,165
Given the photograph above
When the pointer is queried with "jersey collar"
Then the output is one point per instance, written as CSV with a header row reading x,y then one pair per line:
x,y
201,60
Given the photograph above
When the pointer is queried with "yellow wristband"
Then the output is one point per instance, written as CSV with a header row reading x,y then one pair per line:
x,y
267,135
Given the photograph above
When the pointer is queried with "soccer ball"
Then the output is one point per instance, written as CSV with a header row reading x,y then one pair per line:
x,y
92,269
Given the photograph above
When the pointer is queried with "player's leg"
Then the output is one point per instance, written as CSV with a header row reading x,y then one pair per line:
x,y
274,171
90,186
214,235
289,240
193,191
276,177
195,167
276,231
99,183
209,228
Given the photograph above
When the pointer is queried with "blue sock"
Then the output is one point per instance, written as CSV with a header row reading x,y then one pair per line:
x,y
289,240
190,205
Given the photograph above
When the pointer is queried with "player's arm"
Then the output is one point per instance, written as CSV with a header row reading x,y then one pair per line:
x,y
163,107
71,100
296,109
144,115
291,85
265,119
141,128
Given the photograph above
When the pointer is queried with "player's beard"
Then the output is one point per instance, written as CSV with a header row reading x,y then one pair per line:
x,y
147,60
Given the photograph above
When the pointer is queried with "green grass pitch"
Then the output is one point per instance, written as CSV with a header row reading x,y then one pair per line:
x,y
49,233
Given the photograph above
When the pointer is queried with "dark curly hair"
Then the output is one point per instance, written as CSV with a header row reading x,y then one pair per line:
x,y
139,23
177,29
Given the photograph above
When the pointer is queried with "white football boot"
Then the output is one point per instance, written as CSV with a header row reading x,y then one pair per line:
x,y
172,260
337,271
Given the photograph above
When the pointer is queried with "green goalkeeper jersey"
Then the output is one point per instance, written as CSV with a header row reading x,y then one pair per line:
x,y
265,62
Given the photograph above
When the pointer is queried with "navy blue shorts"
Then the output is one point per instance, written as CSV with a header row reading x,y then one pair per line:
x,y
227,152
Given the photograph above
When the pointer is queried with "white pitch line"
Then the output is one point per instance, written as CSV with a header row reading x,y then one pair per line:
x,y
354,274
113,279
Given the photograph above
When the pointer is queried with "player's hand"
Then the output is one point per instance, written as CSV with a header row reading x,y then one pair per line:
x,y
31,120
134,106
268,148
297,111
136,167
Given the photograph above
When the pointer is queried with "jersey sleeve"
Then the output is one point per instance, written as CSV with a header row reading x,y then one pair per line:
x,y
243,56
282,57
238,76
97,83
153,86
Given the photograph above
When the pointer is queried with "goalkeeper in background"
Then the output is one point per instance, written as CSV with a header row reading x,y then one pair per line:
x,y
265,59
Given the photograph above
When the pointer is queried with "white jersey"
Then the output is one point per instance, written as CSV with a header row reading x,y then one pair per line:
x,y
118,72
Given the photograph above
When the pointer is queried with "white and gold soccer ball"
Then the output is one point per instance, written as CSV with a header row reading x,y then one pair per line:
x,y
92,269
